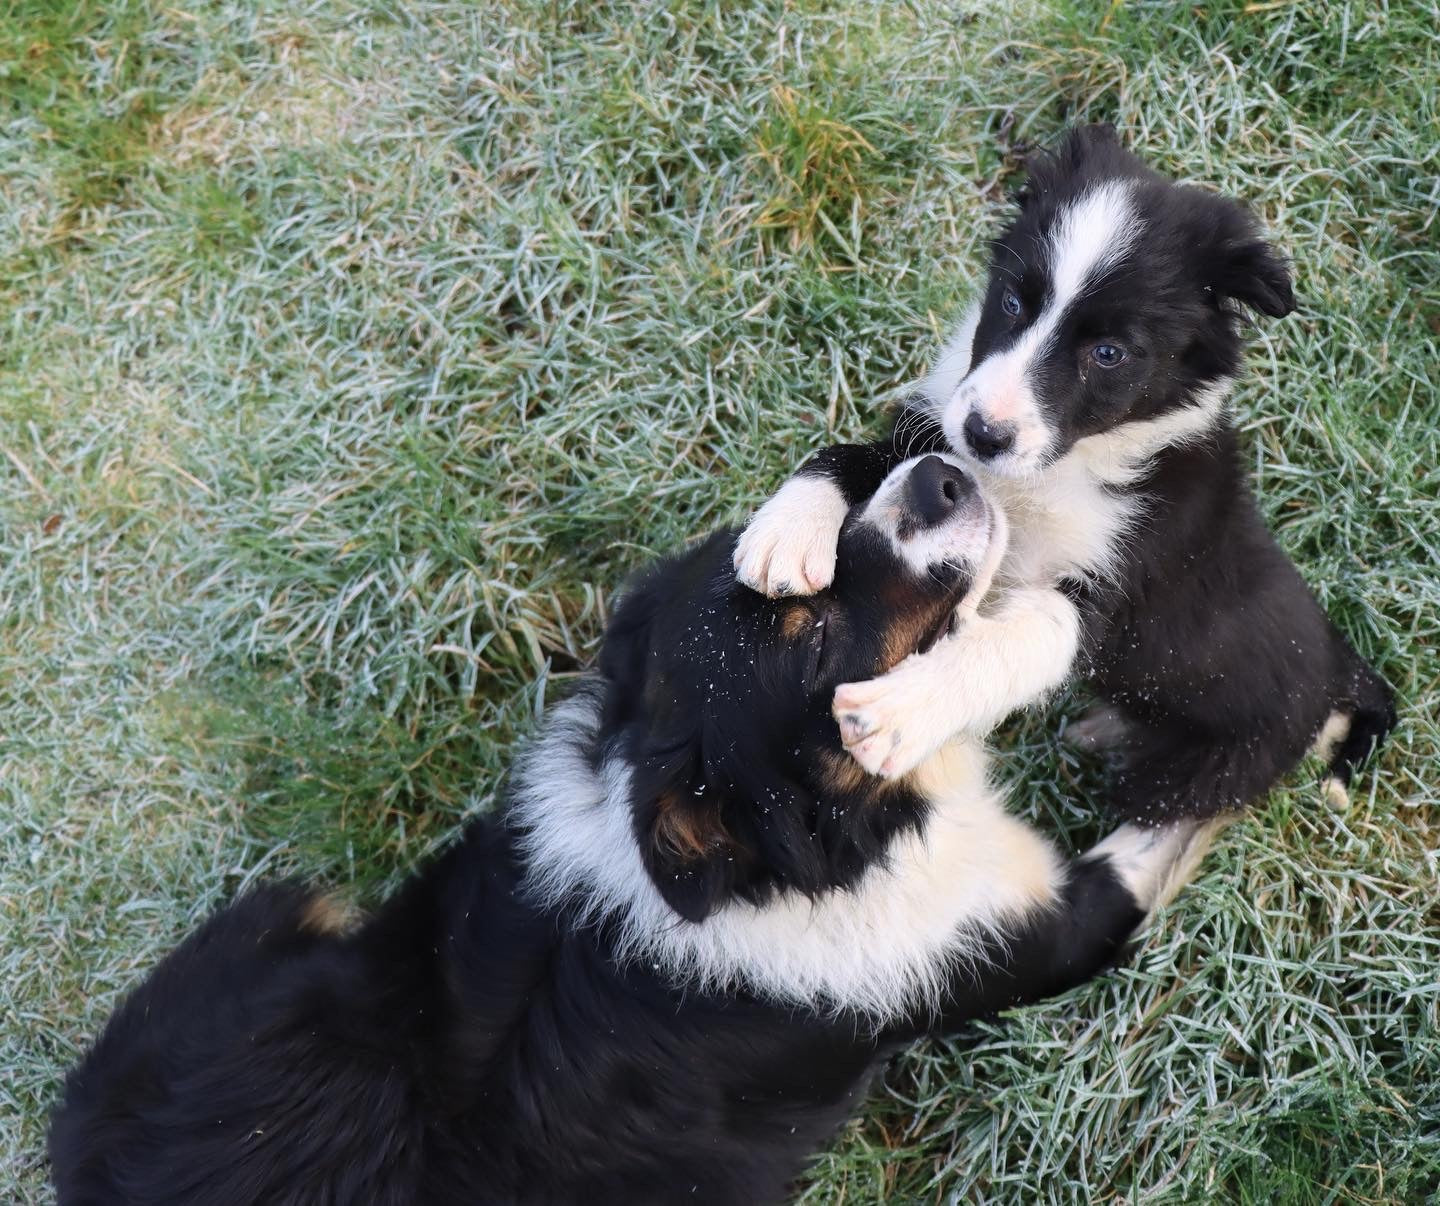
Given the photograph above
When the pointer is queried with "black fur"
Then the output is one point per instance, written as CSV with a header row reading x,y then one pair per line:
x,y
1210,650
731,712
470,1045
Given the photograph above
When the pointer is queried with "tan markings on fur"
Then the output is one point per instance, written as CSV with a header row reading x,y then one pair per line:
x,y
685,831
1335,794
883,949
903,636
327,913
841,773
796,622
1183,870
1030,863
900,640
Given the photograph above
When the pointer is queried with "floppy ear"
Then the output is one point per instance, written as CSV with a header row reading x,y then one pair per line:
x,y
1080,141
702,837
686,850
679,820
1255,274
1233,259
676,800
627,635
625,656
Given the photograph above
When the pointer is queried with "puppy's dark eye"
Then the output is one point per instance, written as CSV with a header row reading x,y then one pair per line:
x,y
816,650
1107,355
1010,303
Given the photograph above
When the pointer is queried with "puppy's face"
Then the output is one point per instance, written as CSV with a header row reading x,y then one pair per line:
x,y
1108,304
905,559
719,698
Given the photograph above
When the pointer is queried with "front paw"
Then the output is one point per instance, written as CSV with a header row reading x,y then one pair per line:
x,y
789,547
888,723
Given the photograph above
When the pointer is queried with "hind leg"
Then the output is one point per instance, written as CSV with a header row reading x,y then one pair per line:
x,y
1101,727
1154,864
1355,730
1361,720
1334,787
1165,771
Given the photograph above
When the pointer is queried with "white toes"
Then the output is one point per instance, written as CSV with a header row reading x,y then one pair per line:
x,y
873,753
1336,794
883,726
789,547
853,727
1335,730
817,567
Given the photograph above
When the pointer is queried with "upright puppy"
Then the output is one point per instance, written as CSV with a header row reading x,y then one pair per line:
x,y
1087,390
668,968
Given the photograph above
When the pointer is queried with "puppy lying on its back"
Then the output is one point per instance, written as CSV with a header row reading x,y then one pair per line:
x,y
1087,390
667,970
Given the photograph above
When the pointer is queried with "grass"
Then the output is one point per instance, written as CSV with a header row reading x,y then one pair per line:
x,y
351,354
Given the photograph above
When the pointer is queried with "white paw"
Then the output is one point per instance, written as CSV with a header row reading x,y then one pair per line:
x,y
1335,794
789,547
889,723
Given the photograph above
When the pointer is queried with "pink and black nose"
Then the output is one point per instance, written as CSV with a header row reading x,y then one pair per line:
x,y
987,440
933,492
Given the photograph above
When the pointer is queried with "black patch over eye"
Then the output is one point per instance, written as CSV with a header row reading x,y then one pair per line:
x,y
1010,303
1107,355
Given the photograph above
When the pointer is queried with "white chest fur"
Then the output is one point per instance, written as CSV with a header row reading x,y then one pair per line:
x,y
1064,523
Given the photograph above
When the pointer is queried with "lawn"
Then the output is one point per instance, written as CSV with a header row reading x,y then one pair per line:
x,y
353,353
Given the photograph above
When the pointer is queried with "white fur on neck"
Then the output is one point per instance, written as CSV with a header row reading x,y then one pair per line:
x,y
1064,523
1121,455
882,948
1072,518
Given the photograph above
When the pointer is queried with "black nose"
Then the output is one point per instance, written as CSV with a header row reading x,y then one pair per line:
x,y
987,440
933,491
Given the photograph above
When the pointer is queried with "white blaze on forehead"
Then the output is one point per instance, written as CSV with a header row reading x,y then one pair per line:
x,y
1091,236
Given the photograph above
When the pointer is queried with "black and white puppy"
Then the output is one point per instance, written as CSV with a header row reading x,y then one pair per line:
x,y
667,970
1087,390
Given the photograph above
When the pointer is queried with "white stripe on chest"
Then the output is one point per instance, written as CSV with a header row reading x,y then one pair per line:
x,y
883,948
